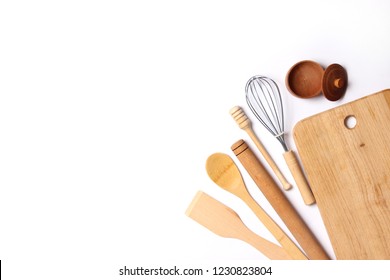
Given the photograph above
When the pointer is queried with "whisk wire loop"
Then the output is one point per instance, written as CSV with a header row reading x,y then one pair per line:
x,y
265,101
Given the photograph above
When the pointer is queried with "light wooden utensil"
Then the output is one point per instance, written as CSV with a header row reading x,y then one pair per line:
x,y
279,202
265,101
224,222
224,172
245,124
346,154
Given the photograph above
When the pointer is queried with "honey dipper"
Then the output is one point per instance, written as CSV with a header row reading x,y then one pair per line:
x,y
245,124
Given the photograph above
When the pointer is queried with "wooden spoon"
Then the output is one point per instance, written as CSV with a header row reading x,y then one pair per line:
x,y
224,172
224,222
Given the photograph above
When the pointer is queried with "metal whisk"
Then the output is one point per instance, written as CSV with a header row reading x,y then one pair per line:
x,y
265,101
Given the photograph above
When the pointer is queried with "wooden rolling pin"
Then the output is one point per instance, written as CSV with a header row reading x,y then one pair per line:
x,y
279,202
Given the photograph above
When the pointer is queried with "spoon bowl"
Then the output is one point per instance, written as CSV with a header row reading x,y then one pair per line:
x,y
224,172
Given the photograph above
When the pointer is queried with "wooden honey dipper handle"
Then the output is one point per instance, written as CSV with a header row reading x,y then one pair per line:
x,y
279,202
245,124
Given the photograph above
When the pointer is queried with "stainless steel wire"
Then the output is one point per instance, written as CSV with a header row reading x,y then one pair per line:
x,y
265,101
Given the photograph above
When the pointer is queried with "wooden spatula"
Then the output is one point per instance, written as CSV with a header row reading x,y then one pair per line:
x,y
224,222
224,172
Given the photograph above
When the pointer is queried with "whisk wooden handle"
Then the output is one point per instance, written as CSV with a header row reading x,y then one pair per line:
x,y
245,124
278,201
299,177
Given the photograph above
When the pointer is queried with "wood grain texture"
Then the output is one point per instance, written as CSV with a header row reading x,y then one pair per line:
x,y
224,222
349,173
279,202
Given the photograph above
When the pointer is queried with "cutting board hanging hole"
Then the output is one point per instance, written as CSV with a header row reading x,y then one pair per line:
x,y
350,122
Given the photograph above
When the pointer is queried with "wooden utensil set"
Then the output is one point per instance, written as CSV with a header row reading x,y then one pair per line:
x,y
348,169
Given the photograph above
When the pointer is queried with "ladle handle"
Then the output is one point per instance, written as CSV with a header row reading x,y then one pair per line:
x,y
279,202
299,177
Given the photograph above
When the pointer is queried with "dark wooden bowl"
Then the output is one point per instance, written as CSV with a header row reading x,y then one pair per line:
x,y
304,79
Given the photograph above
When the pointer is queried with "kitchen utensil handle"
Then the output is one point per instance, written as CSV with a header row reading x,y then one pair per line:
x,y
267,248
286,185
283,239
245,124
279,202
299,177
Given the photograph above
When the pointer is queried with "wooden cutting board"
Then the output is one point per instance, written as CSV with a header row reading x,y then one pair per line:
x,y
349,173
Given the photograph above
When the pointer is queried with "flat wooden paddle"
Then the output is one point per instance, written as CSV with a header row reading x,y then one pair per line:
x,y
224,222
224,172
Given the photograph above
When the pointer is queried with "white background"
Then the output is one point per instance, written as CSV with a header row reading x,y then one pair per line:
x,y
109,110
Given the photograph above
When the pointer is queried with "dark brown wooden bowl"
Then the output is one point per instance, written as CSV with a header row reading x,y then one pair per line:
x,y
304,79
